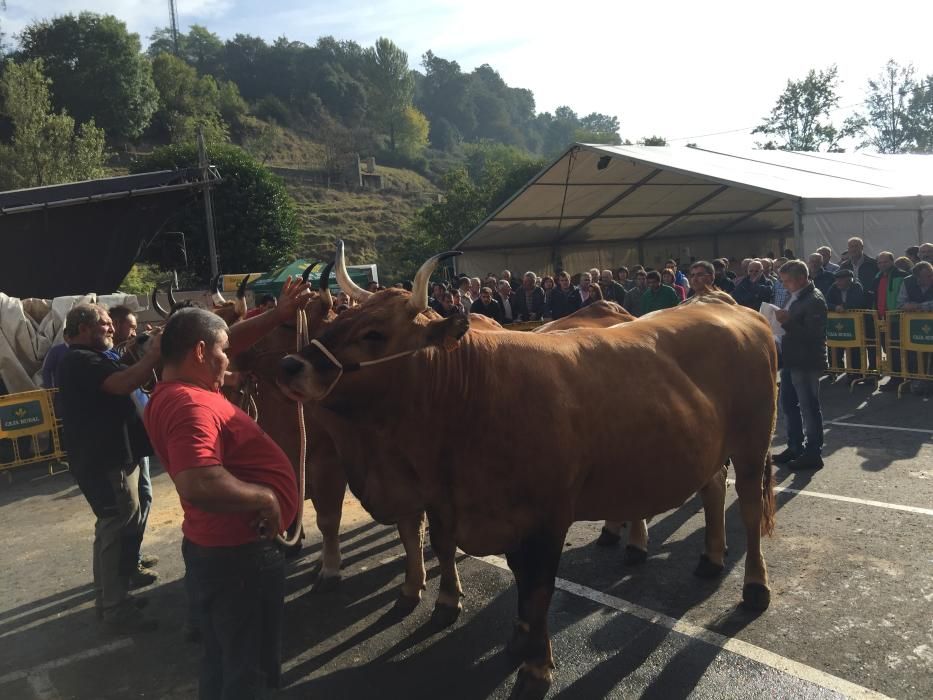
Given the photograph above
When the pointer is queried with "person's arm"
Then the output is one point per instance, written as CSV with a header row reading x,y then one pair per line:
x,y
246,333
215,490
125,381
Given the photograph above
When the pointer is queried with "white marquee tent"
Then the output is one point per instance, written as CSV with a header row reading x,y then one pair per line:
x,y
606,206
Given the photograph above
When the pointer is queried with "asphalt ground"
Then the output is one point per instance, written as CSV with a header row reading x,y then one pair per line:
x,y
851,566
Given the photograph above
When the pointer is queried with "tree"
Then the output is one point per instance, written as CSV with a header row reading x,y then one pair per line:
x,y
801,117
921,115
256,223
652,141
186,102
412,133
263,143
45,148
96,69
886,121
391,86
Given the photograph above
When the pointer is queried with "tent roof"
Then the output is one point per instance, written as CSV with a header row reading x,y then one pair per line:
x,y
595,193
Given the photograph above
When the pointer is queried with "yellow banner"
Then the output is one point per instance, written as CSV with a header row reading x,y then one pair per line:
x,y
230,283
917,331
845,329
26,413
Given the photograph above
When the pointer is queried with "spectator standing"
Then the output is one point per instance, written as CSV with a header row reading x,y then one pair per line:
x,y
916,293
755,289
722,280
827,254
612,290
547,286
702,275
563,300
904,264
584,293
506,298
847,295
622,277
727,270
105,439
821,279
486,305
913,254
436,301
667,277
864,267
633,296
657,296
888,284
529,300
475,288
925,252
803,355
238,490
679,277
266,302
50,369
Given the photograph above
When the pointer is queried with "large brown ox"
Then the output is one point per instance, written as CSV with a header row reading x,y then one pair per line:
x,y
386,369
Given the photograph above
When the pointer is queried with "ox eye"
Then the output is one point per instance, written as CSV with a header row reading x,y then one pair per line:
x,y
374,336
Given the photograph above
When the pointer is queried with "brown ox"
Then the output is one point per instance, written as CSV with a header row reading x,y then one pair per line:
x,y
229,311
384,368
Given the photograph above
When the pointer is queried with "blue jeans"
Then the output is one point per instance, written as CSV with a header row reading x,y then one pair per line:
x,y
241,599
800,402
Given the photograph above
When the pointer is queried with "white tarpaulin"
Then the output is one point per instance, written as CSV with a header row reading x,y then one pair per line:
x,y
28,328
604,206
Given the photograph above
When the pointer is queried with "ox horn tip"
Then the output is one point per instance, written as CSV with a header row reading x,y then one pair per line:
x,y
325,276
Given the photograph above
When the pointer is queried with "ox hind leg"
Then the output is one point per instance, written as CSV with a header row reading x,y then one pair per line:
x,y
754,484
448,606
713,494
411,532
328,487
534,565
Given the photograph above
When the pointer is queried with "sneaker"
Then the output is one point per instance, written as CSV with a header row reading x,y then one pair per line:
x,y
127,619
806,462
147,561
142,577
786,456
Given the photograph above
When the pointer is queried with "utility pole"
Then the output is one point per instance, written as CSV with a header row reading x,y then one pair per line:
x,y
208,204
173,26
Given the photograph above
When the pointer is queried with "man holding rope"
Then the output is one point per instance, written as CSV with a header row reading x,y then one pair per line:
x,y
238,491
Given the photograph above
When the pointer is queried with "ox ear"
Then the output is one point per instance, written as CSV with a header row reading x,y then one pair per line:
x,y
447,332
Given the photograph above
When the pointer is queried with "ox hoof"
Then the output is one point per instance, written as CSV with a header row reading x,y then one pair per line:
x,y
326,584
756,597
444,615
707,569
634,556
405,604
608,539
519,642
529,686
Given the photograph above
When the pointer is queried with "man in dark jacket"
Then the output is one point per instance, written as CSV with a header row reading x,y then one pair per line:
x,y
612,290
529,300
487,306
864,267
847,295
563,301
821,278
721,280
803,356
755,289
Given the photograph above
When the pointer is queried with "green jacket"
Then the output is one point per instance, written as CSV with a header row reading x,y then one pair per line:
x,y
664,298
895,281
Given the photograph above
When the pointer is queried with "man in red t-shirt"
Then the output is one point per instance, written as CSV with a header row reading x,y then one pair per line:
x,y
237,490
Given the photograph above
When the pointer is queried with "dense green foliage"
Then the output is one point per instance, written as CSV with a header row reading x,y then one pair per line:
x,y
255,220
46,148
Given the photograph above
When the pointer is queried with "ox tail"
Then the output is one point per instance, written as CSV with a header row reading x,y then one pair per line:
x,y
767,498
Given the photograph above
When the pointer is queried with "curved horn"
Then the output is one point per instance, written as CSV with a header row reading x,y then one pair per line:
x,y
356,293
156,306
171,297
419,288
307,272
241,290
216,297
324,285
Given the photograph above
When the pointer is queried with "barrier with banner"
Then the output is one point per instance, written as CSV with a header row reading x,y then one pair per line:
x,y
29,429
908,341
853,344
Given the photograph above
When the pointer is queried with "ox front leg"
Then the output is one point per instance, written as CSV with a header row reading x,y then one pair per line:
x,y
535,568
328,487
448,606
712,561
411,532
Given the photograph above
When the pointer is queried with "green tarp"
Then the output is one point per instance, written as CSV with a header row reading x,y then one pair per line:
x,y
272,282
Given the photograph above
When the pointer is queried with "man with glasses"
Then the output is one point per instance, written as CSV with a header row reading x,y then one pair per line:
x,y
702,274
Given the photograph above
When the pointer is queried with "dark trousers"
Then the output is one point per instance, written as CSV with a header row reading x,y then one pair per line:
x,y
800,403
240,597
145,504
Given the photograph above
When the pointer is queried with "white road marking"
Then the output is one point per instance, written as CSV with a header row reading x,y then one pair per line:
x,y
850,499
688,629
838,421
35,674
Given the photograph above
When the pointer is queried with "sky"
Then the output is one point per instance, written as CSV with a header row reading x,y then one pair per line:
x,y
688,71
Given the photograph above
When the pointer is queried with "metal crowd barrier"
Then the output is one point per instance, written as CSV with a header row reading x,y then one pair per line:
x,y
29,430
900,344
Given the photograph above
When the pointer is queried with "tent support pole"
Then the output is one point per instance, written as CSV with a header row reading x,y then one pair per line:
x,y
798,230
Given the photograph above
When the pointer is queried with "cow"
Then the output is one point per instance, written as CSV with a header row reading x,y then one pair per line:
x,y
382,369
